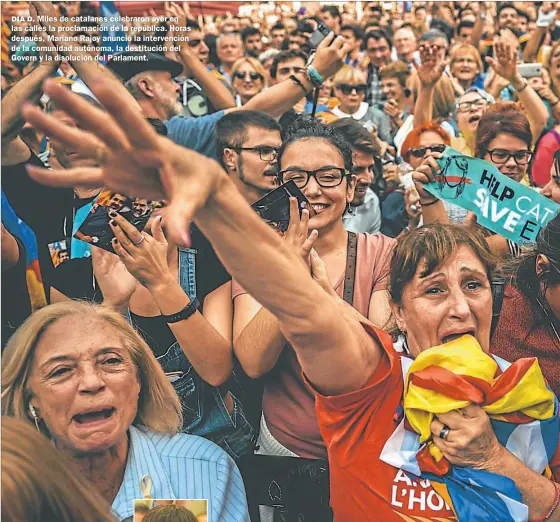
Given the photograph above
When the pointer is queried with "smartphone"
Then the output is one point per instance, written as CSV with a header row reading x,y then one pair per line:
x,y
320,33
530,70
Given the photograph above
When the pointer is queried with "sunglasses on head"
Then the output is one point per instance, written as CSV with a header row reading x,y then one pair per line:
x,y
421,151
254,76
347,88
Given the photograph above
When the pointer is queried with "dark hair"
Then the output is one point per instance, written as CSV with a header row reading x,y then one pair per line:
x,y
441,25
231,129
522,270
170,513
464,23
523,14
284,56
332,10
305,27
249,31
464,10
378,34
357,136
433,244
309,128
433,34
418,7
277,26
507,5
357,31
502,118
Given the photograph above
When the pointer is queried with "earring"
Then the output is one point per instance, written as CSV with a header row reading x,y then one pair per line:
x,y
34,415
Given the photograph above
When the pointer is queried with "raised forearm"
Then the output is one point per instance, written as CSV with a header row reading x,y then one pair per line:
x,y
260,344
478,30
536,110
534,43
278,99
208,352
423,109
434,213
538,492
218,94
28,89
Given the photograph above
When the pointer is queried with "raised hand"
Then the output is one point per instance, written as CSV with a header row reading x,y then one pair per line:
x,y
144,256
133,158
426,173
297,234
330,55
114,280
431,68
504,63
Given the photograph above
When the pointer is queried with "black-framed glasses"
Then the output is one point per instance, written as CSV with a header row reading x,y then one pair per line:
x,y
194,43
347,88
326,177
501,156
265,153
254,76
420,152
467,106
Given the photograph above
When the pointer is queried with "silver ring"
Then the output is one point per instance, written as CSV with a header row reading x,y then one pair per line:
x,y
142,237
444,433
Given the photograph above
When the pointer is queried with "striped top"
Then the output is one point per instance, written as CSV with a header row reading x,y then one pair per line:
x,y
181,467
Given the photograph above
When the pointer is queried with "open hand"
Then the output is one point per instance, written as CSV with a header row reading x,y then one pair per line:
x,y
505,59
330,55
431,68
131,155
114,280
297,234
426,173
144,256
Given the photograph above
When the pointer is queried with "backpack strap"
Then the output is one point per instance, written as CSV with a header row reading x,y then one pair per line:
x,y
350,273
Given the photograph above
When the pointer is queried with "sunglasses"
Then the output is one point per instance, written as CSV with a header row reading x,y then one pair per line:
x,y
194,43
421,151
347,88
254,76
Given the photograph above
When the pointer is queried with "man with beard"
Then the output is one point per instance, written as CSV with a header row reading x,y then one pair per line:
x,y
252,41
364,212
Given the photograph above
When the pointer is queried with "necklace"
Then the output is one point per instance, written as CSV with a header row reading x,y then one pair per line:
x,y
545,311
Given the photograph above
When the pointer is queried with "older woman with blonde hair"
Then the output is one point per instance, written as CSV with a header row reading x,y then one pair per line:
x,y
350,87
247,78
39,484
465,65
89,382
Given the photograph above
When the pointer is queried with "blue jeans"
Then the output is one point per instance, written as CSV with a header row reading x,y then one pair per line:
x,y
204,411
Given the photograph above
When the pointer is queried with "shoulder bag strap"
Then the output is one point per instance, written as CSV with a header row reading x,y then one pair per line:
x,y
498,284
350,272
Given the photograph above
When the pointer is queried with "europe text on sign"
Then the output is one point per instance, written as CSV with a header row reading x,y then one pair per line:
x,y
501,204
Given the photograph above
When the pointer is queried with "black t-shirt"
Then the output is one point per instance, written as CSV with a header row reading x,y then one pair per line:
x,y
16,305
49,211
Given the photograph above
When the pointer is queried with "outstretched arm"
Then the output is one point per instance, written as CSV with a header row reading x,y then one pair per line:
x,y
336,353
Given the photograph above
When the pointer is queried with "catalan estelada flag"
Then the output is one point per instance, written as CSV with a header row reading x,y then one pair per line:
x,y
523,412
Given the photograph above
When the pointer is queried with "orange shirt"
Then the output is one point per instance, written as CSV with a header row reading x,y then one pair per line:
x,y
355,427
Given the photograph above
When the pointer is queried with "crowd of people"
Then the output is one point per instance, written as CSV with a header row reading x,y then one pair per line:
x,y
385,358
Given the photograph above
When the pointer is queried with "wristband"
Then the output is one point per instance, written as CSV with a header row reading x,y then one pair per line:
x,y
316,79
525,84
185,313
554,504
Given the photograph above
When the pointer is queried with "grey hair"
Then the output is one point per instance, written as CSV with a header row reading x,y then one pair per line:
x,y
483,94
269,53
225,35
133,87
433,34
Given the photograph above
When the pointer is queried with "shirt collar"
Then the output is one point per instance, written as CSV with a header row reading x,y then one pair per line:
x,y
143,459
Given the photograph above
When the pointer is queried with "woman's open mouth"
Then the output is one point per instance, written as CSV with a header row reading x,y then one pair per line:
x,y
92,417
457,335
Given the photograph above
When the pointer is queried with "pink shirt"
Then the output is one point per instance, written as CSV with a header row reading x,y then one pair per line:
x,y
288,402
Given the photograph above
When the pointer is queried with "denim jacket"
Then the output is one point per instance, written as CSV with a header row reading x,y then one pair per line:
x,y
204,411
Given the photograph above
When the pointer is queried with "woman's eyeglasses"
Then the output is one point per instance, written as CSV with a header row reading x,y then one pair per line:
x,y
327,177
253,76
467,106
501,156
420,152
347,88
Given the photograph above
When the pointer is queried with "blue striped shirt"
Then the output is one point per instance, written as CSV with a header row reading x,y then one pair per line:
x,y
181,467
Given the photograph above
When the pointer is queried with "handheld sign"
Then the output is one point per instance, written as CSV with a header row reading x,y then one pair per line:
x,y
501,204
